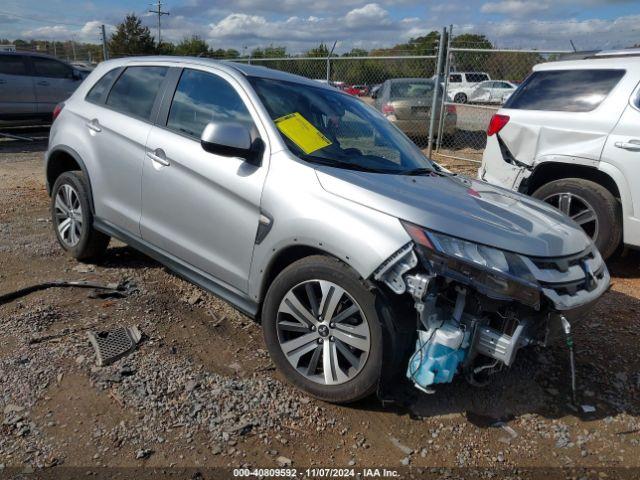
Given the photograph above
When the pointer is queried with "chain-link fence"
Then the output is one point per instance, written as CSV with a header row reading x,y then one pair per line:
x,y
398,86
478,84
401,87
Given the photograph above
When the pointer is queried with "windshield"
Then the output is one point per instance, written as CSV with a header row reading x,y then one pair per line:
x,y
328,127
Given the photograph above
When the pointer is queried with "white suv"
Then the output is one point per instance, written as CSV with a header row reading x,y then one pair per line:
x,y
570,135
462,85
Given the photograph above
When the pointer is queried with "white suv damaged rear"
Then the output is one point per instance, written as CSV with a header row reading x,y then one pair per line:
x,y
570,136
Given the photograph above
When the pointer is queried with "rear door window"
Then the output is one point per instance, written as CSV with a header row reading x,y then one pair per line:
x,y
455,78
12,65
135,91
477,77
565,90
47,67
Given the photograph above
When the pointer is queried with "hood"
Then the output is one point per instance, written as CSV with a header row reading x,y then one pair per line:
x,y
464,208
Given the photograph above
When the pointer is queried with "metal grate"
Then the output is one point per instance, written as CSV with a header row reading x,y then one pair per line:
x,y
113,345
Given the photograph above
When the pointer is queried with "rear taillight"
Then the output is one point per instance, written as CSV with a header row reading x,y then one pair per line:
x,y
387,109
451,109
497,123
56,111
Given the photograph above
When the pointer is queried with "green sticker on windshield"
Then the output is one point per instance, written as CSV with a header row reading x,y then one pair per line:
x,y
301,132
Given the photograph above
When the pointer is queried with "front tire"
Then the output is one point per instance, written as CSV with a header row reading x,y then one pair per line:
x,y
72,218
322,330
591,205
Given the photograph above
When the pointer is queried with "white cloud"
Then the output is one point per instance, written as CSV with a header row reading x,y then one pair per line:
x,y
89,32
515,7
370,15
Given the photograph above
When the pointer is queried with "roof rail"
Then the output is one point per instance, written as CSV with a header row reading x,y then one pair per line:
x,y
593,54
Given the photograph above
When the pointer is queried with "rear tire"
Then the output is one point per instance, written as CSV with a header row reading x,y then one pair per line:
x,y
588,200
460,98
354,373
73,220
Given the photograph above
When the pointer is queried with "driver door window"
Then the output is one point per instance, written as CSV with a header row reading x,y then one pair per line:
x,y
201,98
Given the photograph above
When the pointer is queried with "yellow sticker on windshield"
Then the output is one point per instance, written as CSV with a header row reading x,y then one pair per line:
x,y
301,132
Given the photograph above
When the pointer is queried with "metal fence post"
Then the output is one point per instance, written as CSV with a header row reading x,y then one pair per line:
x,y
105,52
447,66
329,61
434,103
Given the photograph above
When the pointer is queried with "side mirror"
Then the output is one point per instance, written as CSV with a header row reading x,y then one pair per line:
x,y
232,140
76,74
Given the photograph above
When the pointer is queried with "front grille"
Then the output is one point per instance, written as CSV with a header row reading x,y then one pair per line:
x,y
570,280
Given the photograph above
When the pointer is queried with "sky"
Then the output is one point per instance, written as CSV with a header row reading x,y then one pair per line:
x,y
302,24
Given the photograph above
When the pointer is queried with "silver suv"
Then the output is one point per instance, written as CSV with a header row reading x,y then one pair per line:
x,y
32,84
306,209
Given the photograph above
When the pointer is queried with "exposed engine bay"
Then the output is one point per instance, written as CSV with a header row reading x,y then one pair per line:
x,y
474,316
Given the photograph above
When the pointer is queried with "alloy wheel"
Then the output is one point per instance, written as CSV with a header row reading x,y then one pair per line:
x,y
578,209
323,332
68,215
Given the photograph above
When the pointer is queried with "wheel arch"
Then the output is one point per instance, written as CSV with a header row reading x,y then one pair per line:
x,y
281,260
549,171
62,159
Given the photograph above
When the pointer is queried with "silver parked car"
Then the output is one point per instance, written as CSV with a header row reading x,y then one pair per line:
x,y
32,84
407,102
306,209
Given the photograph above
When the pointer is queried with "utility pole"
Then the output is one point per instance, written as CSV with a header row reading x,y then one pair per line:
x,y
105,52
158,12
73,47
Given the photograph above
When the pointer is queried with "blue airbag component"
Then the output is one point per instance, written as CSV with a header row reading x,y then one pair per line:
x,y
433,362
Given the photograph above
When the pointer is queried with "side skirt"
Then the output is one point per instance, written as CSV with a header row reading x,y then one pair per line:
x,y
182,269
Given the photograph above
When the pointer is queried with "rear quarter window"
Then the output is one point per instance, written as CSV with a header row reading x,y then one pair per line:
x,y
565,90
98,91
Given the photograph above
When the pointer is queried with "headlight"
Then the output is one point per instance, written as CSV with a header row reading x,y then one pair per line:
x,y
494,272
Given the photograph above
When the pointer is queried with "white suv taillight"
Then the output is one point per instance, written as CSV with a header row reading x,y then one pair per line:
x,y
497,123
56,111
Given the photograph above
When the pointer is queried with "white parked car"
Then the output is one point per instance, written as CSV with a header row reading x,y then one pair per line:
x,y
570,135
462,84
492,91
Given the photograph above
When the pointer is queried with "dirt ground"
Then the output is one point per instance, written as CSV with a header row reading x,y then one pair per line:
x,y
200,391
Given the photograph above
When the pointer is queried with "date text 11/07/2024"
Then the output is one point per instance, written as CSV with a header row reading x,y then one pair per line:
x,y
316,472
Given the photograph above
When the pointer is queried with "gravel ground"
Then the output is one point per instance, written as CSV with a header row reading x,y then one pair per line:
x,y
200,391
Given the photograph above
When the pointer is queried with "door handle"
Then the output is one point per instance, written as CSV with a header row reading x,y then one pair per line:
x,y
158,157
44,83
94,125
633,145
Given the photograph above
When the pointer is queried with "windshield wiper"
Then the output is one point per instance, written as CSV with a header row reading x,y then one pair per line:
x,y
418,171
347,165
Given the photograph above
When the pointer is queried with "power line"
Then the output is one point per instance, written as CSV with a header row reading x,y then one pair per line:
x,y
158,12
32,19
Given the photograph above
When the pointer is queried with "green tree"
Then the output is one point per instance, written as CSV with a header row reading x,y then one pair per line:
x,y
471,61
319,51
131,38
356,52
166,48
192,46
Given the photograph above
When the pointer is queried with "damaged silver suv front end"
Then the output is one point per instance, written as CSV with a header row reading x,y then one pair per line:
x,y
477,305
